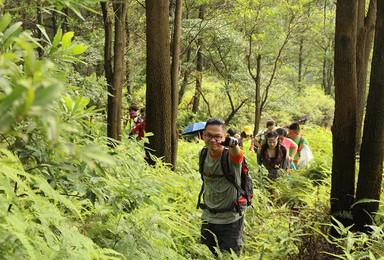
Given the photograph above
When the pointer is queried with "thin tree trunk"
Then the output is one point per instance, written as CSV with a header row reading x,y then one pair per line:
x,y
301,43
120,10
372,154
158,92
65,22
175,80
257,95
199,65
127,62
108,38
185,78
365,31
39,34
344,124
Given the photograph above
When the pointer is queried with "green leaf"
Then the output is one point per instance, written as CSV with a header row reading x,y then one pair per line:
x,y
67,39
5,21
12,29
45,95
42,29
78,49
57,38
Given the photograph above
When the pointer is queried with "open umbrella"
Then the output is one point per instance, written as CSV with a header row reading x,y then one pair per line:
x,y
194,128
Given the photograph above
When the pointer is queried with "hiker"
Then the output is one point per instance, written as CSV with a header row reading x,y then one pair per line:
x,y
139,127
299,139
222,205
290,145
259,139
130,120
245,135
273,156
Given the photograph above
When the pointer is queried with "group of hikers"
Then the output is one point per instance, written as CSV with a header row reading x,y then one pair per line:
x,y
134,123
226,190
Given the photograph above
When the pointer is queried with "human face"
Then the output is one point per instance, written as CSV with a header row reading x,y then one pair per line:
x,y
281,138
213,136
272,142
292,134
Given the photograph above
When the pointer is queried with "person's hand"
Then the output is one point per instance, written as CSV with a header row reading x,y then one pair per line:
x,y
230,141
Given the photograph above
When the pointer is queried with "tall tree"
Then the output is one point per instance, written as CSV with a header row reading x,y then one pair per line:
x,y
372,154
199,64
344,124
114,62
175,78
365,33
158,92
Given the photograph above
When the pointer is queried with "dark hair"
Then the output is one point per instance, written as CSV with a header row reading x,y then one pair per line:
x,y
282,131
231,131
294,127
215,121
134,108
142,110
270,123
264,147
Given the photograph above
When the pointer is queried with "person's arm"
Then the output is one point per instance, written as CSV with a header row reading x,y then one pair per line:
x,y
294,149
235,152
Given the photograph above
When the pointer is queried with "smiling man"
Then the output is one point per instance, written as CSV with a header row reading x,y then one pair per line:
x,y
222,204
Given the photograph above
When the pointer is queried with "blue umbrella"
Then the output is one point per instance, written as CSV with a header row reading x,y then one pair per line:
x,y
194,128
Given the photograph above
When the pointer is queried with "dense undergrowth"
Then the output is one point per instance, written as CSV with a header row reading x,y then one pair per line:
x,y
65,195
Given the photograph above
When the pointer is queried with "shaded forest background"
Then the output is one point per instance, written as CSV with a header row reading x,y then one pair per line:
x,y
73,185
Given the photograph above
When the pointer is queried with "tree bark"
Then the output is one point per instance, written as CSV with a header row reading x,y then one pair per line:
x,y
344,124
114,64
301,43
175,80
365,33
127,62
185,78
372,154
39,34
120,10
257,95
158,92
199,65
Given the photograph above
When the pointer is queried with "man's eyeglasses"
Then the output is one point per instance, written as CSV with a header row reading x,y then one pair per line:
x,y
216,137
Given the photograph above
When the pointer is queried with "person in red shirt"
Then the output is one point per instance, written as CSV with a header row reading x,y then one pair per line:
x,y
139,128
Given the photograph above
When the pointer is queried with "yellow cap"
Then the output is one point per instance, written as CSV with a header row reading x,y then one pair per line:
x,y
247,130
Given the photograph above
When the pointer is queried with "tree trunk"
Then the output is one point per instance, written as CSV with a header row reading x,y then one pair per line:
x,y
175,79
365,31
199,65
344,124
114,64
158,92
39,34
300,59
185,78
65,22
108,65
257,96
127,62
372,154
120,10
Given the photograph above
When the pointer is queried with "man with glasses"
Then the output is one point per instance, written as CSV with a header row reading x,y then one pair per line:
x,y
222,209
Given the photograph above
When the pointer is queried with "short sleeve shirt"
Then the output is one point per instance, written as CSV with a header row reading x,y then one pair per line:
x,y
219,193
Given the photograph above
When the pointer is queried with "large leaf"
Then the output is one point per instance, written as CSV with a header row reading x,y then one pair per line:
x,y
5,21
45,95
67,39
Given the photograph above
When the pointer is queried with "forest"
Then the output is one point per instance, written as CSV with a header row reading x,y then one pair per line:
x,y
75,183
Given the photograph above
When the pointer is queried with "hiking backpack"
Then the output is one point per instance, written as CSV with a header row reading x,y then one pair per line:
x,y
244,190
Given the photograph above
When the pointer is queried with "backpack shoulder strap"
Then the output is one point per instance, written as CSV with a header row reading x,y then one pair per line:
x,y
226,170
202,156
